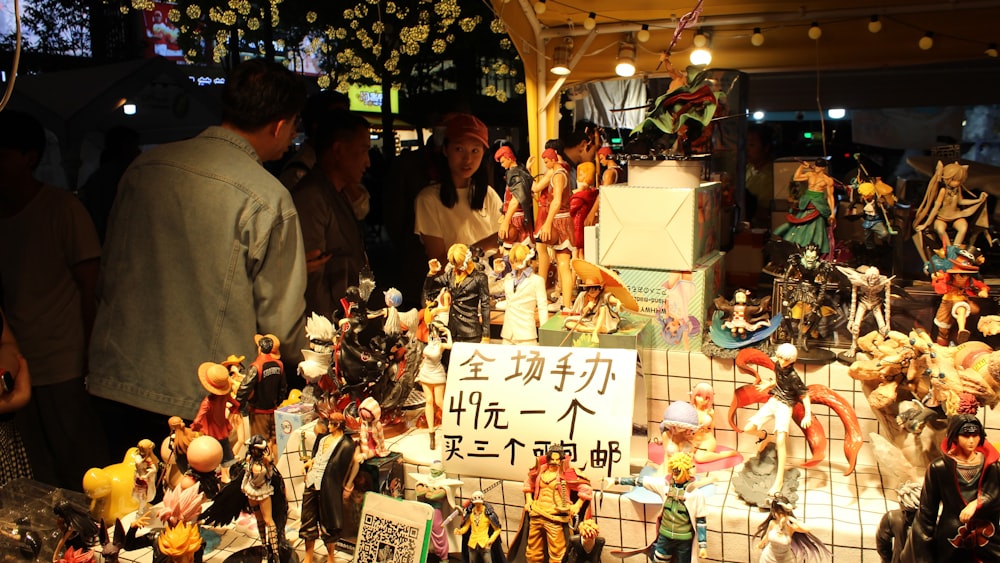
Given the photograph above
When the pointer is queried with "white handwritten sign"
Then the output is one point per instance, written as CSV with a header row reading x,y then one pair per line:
x,y
504,406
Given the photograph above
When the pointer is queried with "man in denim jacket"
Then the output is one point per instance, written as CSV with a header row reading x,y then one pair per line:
x,y
203,251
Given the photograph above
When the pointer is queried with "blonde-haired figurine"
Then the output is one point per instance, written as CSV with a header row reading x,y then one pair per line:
x,y
525,295
180,542
684,510
586,546
146,464
469,315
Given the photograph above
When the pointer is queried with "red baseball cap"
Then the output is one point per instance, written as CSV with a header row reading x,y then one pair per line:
x,y
464,126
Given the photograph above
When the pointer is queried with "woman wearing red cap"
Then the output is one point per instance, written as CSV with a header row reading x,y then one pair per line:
x,y
462,208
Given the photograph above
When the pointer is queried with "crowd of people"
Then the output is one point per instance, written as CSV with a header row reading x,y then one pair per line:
x,y
180,254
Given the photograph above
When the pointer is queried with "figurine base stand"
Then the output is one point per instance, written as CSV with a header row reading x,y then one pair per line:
x,y
755,479
816,356
713,350
258,553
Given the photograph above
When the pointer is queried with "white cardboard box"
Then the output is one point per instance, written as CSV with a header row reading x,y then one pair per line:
x,y
658,228
665,173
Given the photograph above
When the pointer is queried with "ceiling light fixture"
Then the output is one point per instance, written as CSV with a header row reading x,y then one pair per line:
x,y
700,39
643,34
815,32
927,41
129,108
757,39
991,51
875,25
590,22
560,57
626,58
540,7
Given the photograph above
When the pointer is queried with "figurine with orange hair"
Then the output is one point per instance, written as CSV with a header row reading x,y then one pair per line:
x,y
518,220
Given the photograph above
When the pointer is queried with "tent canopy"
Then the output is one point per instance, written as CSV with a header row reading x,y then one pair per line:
x,y
962,31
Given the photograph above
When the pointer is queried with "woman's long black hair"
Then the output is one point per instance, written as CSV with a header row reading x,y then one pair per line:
x,y
806,546
480,183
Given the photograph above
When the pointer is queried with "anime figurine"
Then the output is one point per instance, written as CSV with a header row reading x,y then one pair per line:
x,y
587,545
805,305
77,556
394,323
785,539
680,420
77,528
317,361
703,438
682,521
680,122
144,481
786,391
213,413
960,501
813,217
871,294
263,388
204,456
957,285
553,225
110,488
525,297
949,204
612,172
469,314
602,296
372,436
549,507
329,481
482,525
433,376
876,200
260,491
437,490
518,221
583,204
180,507
180,543
894,528
177,444
746,320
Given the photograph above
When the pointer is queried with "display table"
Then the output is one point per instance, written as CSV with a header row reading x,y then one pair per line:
x,y
843,511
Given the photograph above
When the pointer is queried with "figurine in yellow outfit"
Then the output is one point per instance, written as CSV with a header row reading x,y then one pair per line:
x,y
483,528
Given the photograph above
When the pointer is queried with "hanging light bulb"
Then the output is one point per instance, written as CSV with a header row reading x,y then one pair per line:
x,y
540,7
757,39
991,51
626,59
590,22
701,57
875,25
643,34
560,58
700,40
815,32
927,41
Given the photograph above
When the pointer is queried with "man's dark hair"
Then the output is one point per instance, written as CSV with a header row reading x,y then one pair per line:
x,y
318,105
584,131
21,131
337,125
258,92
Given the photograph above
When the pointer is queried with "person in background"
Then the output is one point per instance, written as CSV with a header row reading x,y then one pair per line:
x,y
48,269
204,250
462,208
759,175
121,146
15,391
329,225
298,166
